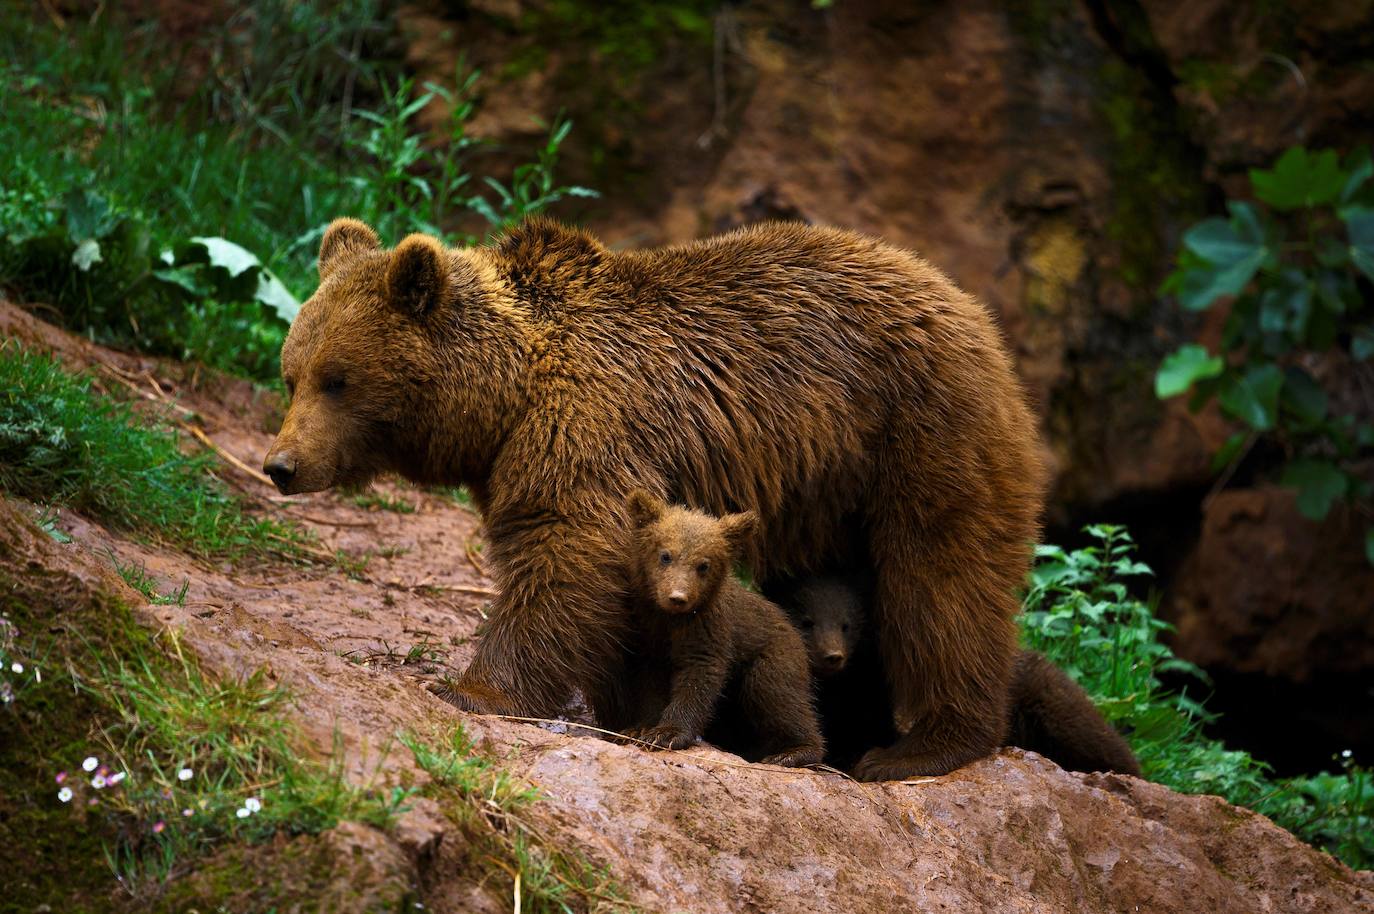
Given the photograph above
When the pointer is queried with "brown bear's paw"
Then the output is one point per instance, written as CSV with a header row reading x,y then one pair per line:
x,y
893,764
664,737
466,697
799,757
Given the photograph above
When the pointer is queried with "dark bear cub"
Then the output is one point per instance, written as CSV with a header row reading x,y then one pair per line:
x,y
1050,713
699,626
851,696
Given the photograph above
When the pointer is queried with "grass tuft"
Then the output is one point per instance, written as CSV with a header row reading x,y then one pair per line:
x,y
62,442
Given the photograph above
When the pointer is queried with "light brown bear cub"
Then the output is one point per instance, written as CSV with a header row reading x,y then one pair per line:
x,y
699,625
1050,713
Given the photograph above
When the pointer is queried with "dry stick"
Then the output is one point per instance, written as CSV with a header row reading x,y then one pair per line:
x,y
456,588
228,457
470,551
639,742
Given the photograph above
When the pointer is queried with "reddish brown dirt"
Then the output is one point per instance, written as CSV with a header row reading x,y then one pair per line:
x,y
697,830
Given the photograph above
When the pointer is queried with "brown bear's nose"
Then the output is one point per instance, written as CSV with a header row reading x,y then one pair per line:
x,y
678,599
833,660
281,468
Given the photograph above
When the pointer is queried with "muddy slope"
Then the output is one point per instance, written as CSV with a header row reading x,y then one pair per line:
x,y
697,831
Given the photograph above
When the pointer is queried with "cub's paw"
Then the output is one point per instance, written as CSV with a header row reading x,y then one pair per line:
x,y
799,757
474,698
665,737
891,764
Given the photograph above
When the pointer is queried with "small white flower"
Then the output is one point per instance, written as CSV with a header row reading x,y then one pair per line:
x,y
1346,753
252,804
65,794
98,781
185,774
37,675
242,812
116,778
17,667
186,812
90,763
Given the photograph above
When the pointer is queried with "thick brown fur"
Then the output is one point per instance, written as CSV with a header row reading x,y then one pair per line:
x,y
1050,713
697,624
841,388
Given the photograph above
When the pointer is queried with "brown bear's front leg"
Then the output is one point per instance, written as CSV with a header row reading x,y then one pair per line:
x,y
557,624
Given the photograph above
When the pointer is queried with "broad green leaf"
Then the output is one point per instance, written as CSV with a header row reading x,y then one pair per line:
x,y
1300,179
1361,167
1304,396
1320,483
184,278
227,255
1253,397
86,255
88,215
1247,221
1359,222
1180,369
272,293
1217,241
1202,286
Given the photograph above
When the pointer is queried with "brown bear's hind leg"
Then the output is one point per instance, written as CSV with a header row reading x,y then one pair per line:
x,y
775,694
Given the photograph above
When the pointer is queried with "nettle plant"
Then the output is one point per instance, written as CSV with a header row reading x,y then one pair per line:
x,y
1293,269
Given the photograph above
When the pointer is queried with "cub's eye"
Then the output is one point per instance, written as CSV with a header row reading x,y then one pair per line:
x,y
703,567
665,558
334,385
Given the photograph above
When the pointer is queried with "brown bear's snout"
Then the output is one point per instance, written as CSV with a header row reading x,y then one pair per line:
x,y
280,466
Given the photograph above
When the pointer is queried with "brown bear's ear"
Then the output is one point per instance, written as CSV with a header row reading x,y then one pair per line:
x,y
345,236
738,529
644,508
417,277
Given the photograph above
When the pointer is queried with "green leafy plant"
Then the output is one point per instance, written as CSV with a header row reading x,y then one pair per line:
x,y
1293,271
1079,611
60,441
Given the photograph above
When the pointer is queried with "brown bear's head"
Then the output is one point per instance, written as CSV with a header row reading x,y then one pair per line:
x,y
831,618
384,351
680,556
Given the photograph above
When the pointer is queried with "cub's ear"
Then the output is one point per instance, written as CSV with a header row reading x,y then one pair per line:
x,y
644,508
345,236
738,529
417,278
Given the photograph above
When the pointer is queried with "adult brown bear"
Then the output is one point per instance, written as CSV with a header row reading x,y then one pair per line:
x,y
841,388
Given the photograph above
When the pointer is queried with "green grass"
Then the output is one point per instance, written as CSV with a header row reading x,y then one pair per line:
x,y
1080,612
487,802
61,442
376,501
182,753
116,149
137,577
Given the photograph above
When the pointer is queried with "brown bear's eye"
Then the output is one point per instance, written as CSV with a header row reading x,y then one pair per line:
x,y
665,558
703,567
333,385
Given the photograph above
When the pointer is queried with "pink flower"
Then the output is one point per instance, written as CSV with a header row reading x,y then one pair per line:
x,y
186,812
61,776
158,826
